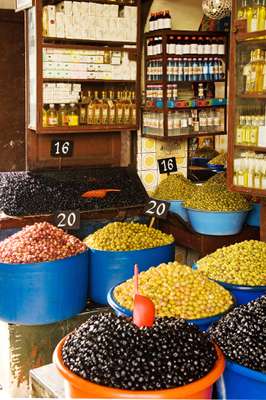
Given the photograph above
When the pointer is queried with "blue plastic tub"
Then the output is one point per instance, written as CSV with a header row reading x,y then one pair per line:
x,y
238,382
216,223
176,207
216,167
203,323
254,215
242,294
43,293
109,268
199,161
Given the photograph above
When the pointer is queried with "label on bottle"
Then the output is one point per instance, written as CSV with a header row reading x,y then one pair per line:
x,y
253,135
207,49
156,25
178,49
177,122
151,25
190,69
184,123
167,23
205,69
196,126
210,121
186,48
97,113
254,24
175,69
241,179
73,120
257,181
119,115
52,121
250,179
214,48
105,115
200,49
190,121
172,48
221,49
194,48
112,115
239,135
127,115
216,121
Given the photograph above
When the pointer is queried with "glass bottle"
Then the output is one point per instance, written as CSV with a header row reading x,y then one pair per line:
x,y
166,20
259,62
242,11
105,109
82,109
249,14
89,109
255,16
262,15
112,108
44,118
119,109
240,131
251,173
203,121
151,22
52,116
133,116
62,115
257,175
72,115
127,108
96,109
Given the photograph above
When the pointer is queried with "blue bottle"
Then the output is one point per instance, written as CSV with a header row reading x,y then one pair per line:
x,y
195,76
186,69
206,75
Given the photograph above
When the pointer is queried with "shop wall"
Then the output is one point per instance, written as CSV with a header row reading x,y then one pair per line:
x,y
186,15
12,96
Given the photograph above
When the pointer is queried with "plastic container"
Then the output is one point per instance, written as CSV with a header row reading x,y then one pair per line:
x,y
199,161
242,294
238,382
176,207
202,323
216,167
43,293
109,268
216,223
254,215
77,387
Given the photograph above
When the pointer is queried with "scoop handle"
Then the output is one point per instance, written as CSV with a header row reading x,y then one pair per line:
x,y
136,279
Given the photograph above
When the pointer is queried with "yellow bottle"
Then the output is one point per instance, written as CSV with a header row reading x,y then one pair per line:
x,y
52,116
251,173
236,170
246,138
262,15
96,109
249,14
105,109
255,16
240,131
44,118
259,63
242,11
89,109
119,109
112,108
72,115
62,115
240,173
257,175
133,108
254,134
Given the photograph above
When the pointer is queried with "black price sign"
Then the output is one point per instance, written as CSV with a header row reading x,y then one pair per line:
x,y
62,148
67,219
157,209
167,165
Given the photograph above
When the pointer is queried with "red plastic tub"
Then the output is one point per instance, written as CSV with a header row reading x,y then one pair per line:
x,y
77,387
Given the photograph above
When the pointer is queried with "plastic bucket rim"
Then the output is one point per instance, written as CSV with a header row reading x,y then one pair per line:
x,y
241,369
171,200
191,388
131,251
43,263
199,321
217,212
234,286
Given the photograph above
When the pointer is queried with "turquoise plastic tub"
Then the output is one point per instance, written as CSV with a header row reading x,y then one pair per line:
x,y
216,223
254,215
109,268
43,293
238,382
242,294
176,207
202,323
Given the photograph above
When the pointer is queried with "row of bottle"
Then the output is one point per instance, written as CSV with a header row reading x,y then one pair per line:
x,y
186,122
200,91
186,45
255,72
248,129
92,110
160,20
254,12
207,69
250,171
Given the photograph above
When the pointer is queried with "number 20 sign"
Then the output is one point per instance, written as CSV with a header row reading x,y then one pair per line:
x,y
157,209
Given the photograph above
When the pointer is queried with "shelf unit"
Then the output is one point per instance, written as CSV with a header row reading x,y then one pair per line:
x,y
242,43
38,137
164,82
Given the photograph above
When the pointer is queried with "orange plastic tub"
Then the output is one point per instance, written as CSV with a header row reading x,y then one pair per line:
x,y
77,387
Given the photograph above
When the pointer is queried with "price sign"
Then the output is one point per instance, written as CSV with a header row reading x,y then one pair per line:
x,y
62,148
67,219
167,165
157,209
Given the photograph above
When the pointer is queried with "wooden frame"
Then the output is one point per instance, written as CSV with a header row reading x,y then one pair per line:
x,y
164,56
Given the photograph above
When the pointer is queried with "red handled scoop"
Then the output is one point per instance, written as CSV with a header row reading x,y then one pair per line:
x,y
98,193
144,310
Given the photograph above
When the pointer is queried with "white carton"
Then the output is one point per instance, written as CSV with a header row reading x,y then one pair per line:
x,y
60,24
65,7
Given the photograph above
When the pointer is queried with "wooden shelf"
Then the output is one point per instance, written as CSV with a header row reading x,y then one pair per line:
x,y
149,82
157,109
68,80
202,81
170,32
251,148
185,136
86,128
55,42
251,36
155,57
252,96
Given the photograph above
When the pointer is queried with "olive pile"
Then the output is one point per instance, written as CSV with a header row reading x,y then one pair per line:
x,y
38,243
177,291
240,264
217,179
124,236
219,160
241,334
206,152
29,193
174,187
216,198
111,351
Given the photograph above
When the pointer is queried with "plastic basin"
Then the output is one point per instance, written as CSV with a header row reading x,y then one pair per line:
x,y
242,294
77,387
238,382
202,323
216,223
176,207
109,268
254,215
216,167
43,293
199,161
